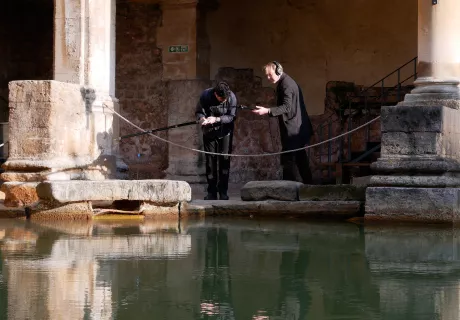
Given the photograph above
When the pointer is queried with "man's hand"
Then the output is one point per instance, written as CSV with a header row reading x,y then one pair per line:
x,y
261,110
209,120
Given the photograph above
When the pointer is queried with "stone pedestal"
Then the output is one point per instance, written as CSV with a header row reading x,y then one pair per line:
x,y
52,134
418,174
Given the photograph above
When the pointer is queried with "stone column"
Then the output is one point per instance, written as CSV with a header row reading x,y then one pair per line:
x,y
63,128
185,56
85,54
418,174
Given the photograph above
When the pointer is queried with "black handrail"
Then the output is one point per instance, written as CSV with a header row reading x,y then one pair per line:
x,y
391,73
363,93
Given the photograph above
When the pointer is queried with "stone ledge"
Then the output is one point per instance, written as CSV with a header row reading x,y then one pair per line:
x,y
413,204
157,191
422,181
434,165
272,208
332,193
274,190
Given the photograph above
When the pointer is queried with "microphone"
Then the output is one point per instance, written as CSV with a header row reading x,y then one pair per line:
x,y
243,107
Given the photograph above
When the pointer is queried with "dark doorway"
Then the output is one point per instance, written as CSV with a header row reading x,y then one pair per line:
x,y
26,44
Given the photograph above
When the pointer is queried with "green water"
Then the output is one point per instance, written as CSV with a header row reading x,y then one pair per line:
x,y
227,269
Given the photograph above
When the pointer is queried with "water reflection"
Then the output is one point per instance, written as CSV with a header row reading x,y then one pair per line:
x,y
226,269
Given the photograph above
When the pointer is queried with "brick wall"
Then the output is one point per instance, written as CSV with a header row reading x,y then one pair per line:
x,y
139,87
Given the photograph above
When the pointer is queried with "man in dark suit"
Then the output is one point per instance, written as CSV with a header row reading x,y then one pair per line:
x,y
294,122
216,110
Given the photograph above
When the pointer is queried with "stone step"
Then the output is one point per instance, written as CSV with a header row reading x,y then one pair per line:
x,y
158,191
296,191
339,192
272,189
272,208
18,194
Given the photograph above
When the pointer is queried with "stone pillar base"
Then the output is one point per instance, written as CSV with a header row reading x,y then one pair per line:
x,y
413,204
59,131
418,174
30,171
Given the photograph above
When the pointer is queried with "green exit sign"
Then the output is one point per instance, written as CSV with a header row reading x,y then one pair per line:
x,y
178,49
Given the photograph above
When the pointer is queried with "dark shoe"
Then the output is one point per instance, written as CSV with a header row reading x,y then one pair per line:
x,y
223,196
211,196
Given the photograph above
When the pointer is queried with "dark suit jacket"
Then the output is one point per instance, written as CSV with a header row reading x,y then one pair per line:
x,y
208,105
295,125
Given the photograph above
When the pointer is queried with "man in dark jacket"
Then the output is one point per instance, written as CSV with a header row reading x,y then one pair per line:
x,y
216,111
295,125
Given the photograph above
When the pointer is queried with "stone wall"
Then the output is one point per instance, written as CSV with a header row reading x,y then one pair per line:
x,y
317,41
140,89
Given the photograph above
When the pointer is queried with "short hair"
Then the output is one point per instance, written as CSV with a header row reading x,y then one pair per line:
x,y
222,89
272,66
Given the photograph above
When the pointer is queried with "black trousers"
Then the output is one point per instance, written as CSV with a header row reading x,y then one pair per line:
x,y
218,167
299,159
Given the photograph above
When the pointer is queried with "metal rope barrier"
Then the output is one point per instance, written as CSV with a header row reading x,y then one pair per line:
x,y
240,155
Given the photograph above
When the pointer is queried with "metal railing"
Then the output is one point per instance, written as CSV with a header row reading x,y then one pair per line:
x,y
361,104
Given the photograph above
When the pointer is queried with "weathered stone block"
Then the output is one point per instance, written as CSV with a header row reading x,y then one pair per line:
x,y
414,143
77,174
158,191
330,209
416,165
276,190
332,193
53,211
150,209
48,120
36,91
410,119
19,194
413,204
420,131
428,181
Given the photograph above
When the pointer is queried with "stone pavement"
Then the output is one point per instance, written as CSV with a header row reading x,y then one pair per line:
x,y
199,191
